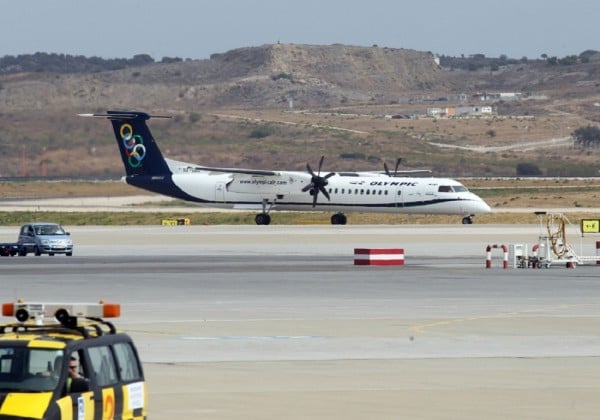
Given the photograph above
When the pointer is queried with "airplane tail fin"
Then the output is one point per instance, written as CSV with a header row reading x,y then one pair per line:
x,y
139,151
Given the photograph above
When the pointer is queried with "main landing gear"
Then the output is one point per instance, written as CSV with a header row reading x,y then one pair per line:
x,y
264,218
339,219
468,220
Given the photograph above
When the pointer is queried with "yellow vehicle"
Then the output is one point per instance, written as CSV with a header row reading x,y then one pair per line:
x,y
68,368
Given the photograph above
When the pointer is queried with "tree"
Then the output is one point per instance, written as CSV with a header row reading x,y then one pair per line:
x,y
528,169
586,137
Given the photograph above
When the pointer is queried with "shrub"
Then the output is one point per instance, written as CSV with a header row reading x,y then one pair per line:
x,y
528,169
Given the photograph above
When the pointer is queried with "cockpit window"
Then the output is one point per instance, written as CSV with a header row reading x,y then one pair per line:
x,y
25,369
452,188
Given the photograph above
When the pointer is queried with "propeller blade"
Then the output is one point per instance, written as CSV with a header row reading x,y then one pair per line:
x,y
387,170
324,191
397,165
309,169
320,164
329,175
308,187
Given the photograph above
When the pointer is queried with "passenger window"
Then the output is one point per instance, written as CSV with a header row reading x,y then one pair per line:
x,y
129,368
103,365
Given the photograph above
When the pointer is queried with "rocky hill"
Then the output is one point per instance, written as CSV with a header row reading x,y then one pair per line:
x,y
248,93
259,77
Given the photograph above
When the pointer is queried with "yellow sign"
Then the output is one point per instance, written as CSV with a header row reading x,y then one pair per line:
x,y
175,222
590,226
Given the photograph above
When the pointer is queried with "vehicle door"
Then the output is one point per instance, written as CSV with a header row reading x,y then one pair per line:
x,y
108,401
26,235
131,379
77,398
118,381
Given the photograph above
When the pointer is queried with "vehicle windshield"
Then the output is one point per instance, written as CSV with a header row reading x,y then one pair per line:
x,y
25,369
49,230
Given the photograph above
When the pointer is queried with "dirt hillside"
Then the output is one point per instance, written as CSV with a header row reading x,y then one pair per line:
x,y
280,106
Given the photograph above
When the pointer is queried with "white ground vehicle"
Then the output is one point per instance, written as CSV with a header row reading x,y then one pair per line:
x,y
44,238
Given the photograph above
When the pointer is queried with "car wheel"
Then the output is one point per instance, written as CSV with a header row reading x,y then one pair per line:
x,y
37,252
69,254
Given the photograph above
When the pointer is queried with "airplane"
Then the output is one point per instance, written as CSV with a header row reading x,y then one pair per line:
x,y
266,190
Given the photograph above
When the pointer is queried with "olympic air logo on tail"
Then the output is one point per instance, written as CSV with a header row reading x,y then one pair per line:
x,y
134,146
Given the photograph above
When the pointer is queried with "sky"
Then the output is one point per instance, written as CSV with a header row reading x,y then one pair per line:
x,y
198,28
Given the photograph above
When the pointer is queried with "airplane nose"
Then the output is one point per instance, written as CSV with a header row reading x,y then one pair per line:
x,y
481,206
477,205
484,207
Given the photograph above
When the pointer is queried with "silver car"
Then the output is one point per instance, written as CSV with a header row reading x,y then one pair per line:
x,y
44,238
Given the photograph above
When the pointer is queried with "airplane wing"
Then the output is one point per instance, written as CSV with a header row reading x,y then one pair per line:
x,y
241,171
405,172
178,166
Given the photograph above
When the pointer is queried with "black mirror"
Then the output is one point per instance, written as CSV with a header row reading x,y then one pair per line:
x,y
79,385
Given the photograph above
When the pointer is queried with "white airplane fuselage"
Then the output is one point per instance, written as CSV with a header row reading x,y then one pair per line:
x,y
359,191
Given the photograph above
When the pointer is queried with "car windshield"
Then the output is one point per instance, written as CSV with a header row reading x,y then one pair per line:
x,y
25,369
49,230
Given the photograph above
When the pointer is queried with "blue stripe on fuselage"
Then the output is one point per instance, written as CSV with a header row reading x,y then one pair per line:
x,y
162,184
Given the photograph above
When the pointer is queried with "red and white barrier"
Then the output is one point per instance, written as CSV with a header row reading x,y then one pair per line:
x,y
488,256
598,252
381,256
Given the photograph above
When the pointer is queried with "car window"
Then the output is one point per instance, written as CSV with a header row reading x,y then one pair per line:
x,y
29,370
127,362
103,365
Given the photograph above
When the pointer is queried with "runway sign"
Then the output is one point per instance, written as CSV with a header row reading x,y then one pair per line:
x,y
378,256
175,222
590,226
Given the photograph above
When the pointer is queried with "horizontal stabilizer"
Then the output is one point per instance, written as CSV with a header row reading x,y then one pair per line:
x,y
124,115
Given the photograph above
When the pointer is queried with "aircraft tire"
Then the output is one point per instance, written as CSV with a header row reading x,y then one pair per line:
x,y
262,219
339,219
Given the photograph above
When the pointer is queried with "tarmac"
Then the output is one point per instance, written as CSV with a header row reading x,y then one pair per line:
x,y
261,322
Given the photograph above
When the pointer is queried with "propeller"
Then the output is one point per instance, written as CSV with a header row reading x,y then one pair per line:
x,y
317,182
387,171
